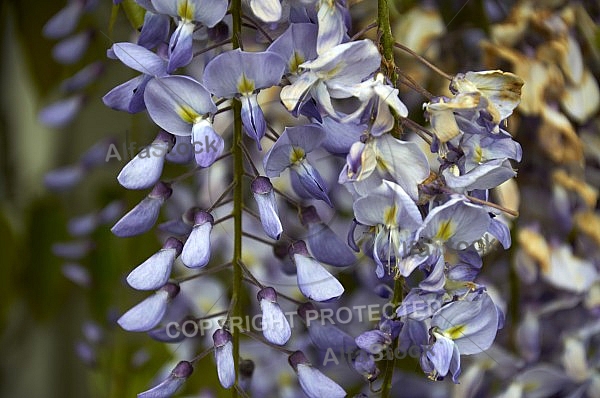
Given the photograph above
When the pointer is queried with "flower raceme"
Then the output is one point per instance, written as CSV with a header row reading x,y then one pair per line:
x,y
420,216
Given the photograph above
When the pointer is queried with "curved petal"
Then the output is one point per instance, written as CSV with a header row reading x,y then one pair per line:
x,y
147,314
153,273
207,144
242,72
139,58
175,102
314,281
266,10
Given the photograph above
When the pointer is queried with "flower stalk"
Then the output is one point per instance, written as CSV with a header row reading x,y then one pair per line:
x,y
238,194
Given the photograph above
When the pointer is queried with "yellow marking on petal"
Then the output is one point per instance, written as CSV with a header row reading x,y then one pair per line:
x,y
455,332
478,155
187,114
296,61
185,10
389,215
382,164
326,75
245,86
297,155
445,231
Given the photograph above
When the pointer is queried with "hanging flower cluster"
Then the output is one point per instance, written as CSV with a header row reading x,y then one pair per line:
x,y
422,211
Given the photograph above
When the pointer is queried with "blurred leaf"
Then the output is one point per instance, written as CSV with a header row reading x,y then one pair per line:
x,y
45,288
10,248
134,12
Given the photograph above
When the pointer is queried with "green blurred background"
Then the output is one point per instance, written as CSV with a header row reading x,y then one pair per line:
x,y
42,312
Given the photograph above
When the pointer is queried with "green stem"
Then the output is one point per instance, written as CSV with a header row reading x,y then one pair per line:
x,y
386,41
238,194
386,388
388,66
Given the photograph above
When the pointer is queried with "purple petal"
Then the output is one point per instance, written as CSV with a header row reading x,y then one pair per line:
x,y
327,247
64,178
196,250
264,196
83,78
311,180
316,385
144,170
153,273
314,281
455,222
77,274
147,314
500,232
62,112
180,46
440,354
373,341
296,45
171,384
207,144
253,118
128,96
63,22
331,26
155,30
70,50
175,102
142,217
241,72
224,358
209,12
275,326
140,59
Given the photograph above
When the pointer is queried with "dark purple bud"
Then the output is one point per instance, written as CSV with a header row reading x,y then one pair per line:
x,y
297,358
162,190
246,372
298,247
268,293
308,312
309,215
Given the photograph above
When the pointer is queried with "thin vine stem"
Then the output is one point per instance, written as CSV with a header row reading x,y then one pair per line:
x,y
423,61
388,66
238,196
